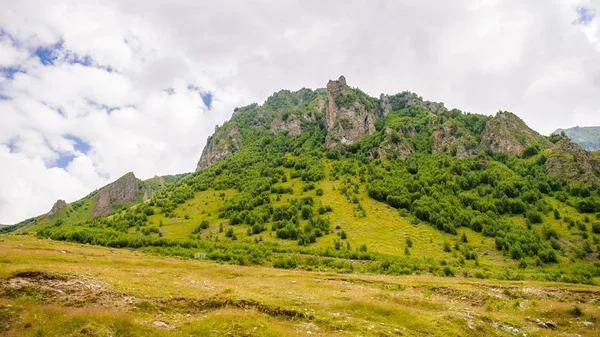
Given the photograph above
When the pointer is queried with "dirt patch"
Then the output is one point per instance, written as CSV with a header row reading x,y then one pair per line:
x,y
474,298
61,290
83,291
193,306
545,293
38,276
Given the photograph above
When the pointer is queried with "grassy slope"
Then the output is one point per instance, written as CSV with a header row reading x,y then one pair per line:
x,y
115,297
383,229
82,213
67,215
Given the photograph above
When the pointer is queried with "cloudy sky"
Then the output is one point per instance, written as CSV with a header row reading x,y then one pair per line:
x,y
90,90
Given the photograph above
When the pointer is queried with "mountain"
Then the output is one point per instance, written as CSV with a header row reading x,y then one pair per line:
x,y
588,137
110,199
335,179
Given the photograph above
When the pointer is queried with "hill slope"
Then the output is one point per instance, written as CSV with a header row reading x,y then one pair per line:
x,y
335,179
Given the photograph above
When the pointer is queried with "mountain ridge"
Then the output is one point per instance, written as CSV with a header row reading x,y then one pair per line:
x,y
349,115
334,178
588,136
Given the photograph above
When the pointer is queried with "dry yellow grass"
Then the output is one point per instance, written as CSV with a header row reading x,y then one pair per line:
x,y
131,290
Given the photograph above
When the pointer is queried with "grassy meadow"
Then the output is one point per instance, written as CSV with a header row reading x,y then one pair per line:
x,y
51,288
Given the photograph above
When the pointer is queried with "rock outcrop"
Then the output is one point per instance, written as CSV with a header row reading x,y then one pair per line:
x,y
569,161
125,189
407,99
509,134
59,205
147,193
394,147
224,142
445,140
347,118
291,122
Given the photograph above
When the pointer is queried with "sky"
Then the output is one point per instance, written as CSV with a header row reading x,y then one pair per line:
x,y
91,90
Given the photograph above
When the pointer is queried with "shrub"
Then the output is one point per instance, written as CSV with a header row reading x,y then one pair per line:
x,y
534,217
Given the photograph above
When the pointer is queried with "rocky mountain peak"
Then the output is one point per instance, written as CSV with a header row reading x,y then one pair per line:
x,y
350,113
507,133
123,190
224,142
59,205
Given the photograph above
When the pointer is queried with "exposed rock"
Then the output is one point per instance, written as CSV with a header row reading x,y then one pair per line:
x,y
224,142
346,117
445,140
160,324
384,104
407,99
147,193
289,122
546,325
508,133
103,206
59,205
394,148
123,190
569,161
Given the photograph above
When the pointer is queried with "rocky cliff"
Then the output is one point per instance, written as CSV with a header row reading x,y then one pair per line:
x,y
225,141
147,193
392,126
59,205
509,134
124,190
350,114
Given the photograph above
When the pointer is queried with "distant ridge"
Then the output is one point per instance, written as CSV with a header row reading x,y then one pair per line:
x,y
588,136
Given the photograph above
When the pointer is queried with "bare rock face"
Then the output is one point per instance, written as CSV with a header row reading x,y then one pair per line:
x,y
59,205
569,161
290,123
509,134
123,190
147,193
224,142
384,104
103,206
346,118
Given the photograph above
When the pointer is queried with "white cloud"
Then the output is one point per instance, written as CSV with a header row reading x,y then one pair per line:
x,y
479,56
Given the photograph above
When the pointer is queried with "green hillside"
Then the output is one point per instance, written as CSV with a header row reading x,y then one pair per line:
x,y
449,205
587,137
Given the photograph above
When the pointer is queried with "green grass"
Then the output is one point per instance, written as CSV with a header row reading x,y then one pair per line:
x,y
124,292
